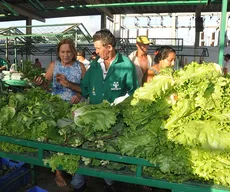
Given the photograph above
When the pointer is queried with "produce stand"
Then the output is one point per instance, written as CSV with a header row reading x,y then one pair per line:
x,y
20,83
14,85
123,176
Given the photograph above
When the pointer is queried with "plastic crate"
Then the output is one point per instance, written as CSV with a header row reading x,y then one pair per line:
x,y
36,189
6,184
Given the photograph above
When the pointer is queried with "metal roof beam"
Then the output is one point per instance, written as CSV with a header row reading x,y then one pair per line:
x,y
133,4
18,11
3,13
34,4
27,14
40,5
104,10
9,7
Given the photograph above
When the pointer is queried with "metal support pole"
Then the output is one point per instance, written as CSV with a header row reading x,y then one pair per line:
x,y
197,33
103,20
197,36
222,31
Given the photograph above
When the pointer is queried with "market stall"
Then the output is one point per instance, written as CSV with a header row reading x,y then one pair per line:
x,y
123,176
178,141
197,93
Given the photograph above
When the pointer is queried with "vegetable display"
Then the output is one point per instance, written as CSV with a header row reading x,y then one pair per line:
x,y
31,115
180,122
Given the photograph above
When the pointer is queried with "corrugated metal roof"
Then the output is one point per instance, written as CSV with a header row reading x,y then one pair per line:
x,y
11,10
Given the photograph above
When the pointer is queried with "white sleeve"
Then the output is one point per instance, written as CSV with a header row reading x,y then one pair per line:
x,y
120,99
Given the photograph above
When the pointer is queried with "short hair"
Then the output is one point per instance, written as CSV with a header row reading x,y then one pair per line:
x,y
227,55
81,53
94,53
70,42
163,53
106,37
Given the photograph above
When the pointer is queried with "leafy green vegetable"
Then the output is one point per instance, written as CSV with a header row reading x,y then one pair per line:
x,y
98,117
180,123
69,163
30,71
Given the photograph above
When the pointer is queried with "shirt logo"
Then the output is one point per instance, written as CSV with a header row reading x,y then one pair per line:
x,y
93,91
116,86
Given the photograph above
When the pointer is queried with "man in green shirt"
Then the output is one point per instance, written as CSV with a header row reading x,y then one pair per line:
x,y
111,74
3,64
111,77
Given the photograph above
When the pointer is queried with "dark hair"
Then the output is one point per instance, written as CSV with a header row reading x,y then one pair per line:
x,y
71,45
227,55
94,54
105,36
163,53
81,53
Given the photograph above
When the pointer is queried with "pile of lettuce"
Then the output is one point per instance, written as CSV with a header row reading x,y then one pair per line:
x,y
30,115
180,121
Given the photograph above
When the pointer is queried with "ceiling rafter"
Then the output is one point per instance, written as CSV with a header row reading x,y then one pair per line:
x,y
10,8
19,11
104,10
67,8
40,5
35,6
27,14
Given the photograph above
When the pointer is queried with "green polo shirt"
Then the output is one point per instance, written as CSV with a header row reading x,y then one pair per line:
x,y
121,78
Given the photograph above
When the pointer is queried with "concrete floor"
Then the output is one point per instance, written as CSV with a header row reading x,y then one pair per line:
x,y
45,180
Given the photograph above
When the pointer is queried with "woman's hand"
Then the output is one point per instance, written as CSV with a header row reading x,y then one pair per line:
x,y
39,80
62,80
42,82
76,98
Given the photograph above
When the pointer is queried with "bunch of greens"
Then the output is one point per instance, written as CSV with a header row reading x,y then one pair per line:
x,y
31,115
87,122
93,119
94,127
180,122
29,70
67,162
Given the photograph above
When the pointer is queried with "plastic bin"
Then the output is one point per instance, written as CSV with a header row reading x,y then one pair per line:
x,y
6,181
36,189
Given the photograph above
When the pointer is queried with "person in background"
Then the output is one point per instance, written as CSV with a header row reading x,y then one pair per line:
x,y
111,77
64,73
81,58
156,52
3,65
93,56
140,58
37,63
165,57
226,64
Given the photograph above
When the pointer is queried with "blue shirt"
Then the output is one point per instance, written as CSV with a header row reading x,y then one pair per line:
x,y
72,73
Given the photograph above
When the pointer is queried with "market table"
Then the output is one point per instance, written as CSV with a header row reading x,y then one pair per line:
x,y
123,176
